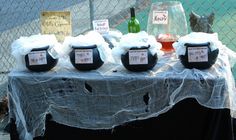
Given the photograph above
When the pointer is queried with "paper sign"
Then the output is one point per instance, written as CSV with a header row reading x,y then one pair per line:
x,y
101,26
37,58
83,56
56,22
197,54
138,57
160,17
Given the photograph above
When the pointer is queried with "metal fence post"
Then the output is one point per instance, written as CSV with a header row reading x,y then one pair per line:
x,y
91,12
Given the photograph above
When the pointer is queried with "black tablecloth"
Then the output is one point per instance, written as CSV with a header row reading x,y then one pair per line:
x,y
187,120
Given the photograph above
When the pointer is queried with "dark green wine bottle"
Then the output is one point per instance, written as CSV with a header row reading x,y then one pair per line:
x,y
133,23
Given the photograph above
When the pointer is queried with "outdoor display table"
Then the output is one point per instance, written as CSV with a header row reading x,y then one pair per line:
x,y
170,101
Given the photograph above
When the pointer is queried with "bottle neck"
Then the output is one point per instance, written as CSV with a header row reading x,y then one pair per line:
x,y
132,12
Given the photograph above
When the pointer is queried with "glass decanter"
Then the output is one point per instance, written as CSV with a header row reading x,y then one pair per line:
x,y
167,22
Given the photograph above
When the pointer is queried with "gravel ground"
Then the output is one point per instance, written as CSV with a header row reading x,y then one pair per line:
x,y
4,135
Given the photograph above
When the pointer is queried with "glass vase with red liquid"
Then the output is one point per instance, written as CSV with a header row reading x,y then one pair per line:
x,y
167,22
166,41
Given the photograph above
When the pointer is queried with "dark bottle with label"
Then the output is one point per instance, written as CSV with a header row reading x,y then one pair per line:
x,y
133,23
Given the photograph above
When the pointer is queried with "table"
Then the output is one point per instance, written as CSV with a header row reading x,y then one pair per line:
x,y
111,96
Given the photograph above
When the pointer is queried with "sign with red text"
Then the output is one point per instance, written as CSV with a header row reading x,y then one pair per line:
x,y
160,17
101,26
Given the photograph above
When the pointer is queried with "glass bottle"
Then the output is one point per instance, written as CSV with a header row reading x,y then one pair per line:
x,y
133,23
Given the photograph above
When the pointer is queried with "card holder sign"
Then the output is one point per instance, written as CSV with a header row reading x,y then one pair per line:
x,y
197,54
138,57
160,17
101,26
37,58
83,56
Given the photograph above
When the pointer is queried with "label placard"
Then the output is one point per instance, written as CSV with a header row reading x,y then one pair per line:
x,y
101,26
83,56
37,58
160,17
138,57
197,54
56,22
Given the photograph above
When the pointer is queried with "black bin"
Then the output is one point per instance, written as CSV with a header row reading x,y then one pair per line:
x,y
206,60
39,59
85,57
150,60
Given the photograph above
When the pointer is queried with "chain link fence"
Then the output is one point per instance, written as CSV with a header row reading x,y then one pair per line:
x,y
21,18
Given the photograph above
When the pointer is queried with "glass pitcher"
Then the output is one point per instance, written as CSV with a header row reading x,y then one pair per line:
x,y
167,22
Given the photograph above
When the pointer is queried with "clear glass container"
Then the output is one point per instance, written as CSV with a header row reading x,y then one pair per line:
x,y
167,22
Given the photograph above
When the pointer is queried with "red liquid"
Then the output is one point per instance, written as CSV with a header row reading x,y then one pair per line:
x,y
166,41
167,46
